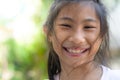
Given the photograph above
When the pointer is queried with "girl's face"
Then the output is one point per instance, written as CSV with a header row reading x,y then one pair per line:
x,y
77,34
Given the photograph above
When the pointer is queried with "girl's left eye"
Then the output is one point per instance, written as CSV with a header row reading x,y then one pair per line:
x,y
89,27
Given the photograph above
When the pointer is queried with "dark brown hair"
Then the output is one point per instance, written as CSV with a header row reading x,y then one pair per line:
x,y
54,66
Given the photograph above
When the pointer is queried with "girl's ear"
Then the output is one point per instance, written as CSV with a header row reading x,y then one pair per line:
x,y
45,30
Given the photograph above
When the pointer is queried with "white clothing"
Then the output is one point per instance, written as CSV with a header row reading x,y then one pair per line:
x,y
108,74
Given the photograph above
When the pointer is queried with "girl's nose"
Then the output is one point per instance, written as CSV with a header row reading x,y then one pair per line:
x,y
78,37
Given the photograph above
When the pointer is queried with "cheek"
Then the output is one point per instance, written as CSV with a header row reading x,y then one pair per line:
x,y
56,43
95,46
57,40
92,38
95,41
60,37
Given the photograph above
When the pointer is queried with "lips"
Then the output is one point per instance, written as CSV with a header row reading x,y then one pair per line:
x,y
75,51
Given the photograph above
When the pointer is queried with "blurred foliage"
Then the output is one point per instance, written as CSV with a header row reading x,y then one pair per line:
x,y
29,62
41,13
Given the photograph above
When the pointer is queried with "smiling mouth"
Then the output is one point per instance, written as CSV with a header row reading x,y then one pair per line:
x,y
75,52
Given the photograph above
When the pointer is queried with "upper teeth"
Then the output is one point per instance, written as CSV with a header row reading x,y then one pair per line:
x,y
75,51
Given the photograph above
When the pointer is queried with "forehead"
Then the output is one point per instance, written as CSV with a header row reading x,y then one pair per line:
x,y
78,10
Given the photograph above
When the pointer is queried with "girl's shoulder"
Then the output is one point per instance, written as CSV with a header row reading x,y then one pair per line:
x,y
109,74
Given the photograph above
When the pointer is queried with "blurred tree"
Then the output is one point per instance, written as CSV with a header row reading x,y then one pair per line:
x,y
29,61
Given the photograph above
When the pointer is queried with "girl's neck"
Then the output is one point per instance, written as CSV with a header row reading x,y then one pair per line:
x,y
89,71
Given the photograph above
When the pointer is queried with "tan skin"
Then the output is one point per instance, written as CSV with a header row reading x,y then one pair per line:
x,y
76,42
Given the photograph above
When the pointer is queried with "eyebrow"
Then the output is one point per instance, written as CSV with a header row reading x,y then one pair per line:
x,y
67,18
89,19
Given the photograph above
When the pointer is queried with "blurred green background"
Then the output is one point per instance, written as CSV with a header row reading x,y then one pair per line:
x,y
23,50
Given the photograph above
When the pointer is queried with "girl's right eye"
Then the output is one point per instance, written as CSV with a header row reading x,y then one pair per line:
x,y
66,25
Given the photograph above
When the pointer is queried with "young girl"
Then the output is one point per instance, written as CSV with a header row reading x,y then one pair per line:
x,y
78,38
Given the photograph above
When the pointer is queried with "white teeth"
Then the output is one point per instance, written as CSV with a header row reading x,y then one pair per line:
x,y
75,51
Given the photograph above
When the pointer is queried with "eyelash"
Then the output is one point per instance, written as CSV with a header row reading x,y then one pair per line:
x,y
88,27
65,25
